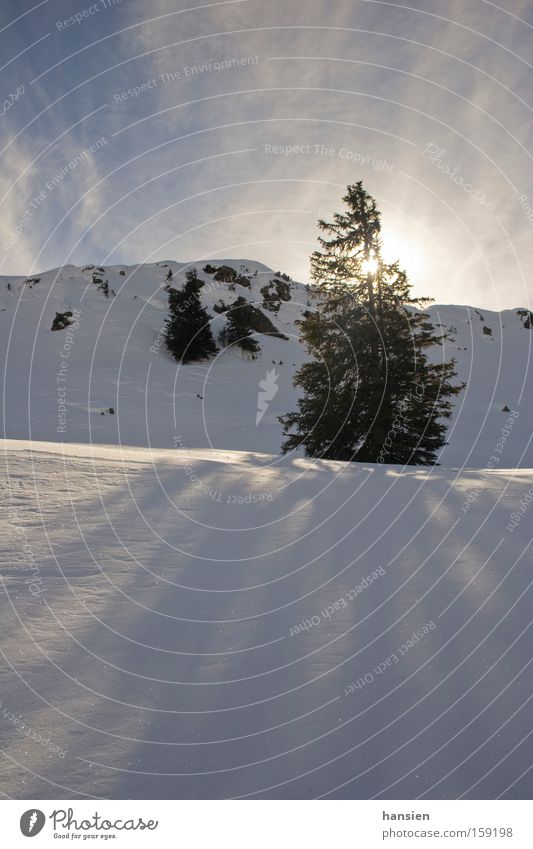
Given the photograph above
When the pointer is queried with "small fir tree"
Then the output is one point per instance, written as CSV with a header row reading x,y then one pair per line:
x,y
237,329
188,333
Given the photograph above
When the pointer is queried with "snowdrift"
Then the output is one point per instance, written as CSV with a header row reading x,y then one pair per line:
x,y
210,624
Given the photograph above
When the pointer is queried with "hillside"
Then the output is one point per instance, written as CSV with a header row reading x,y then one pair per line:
x,y
116,360
188,614
282,629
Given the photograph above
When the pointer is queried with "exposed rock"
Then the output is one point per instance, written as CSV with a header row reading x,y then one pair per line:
x,y
227,274
61,320
102,284
221,307
256,320
274,293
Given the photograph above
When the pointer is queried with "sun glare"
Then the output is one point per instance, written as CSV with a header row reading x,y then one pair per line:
x,y
370,265
408,250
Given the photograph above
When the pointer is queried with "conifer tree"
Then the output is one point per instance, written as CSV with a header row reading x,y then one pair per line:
x,y
237,329
188,333
370,393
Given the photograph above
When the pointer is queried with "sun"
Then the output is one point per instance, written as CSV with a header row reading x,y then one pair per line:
x,y
370,265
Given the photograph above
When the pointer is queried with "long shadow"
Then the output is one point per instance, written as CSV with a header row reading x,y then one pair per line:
x,y
325,733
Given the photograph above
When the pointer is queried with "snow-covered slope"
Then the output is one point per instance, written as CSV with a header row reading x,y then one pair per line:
x,y
181,624
112,356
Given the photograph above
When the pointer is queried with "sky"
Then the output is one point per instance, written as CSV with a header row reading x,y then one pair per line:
x,y
145,130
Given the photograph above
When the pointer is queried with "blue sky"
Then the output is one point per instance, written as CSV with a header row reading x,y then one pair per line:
x,y
138,131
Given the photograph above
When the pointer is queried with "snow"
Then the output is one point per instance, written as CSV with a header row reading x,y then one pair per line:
x,y
171,633
188,614
117,359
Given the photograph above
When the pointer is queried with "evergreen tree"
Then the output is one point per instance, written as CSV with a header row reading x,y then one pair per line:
x,y
369,393
237,329
188,333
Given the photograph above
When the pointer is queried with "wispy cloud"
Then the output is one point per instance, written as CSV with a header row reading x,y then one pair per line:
x,y
231,127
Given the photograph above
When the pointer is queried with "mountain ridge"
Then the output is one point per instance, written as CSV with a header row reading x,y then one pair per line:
x,y
120,385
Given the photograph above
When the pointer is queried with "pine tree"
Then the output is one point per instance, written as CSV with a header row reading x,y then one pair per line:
x,y
188,333
237,329
370,392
